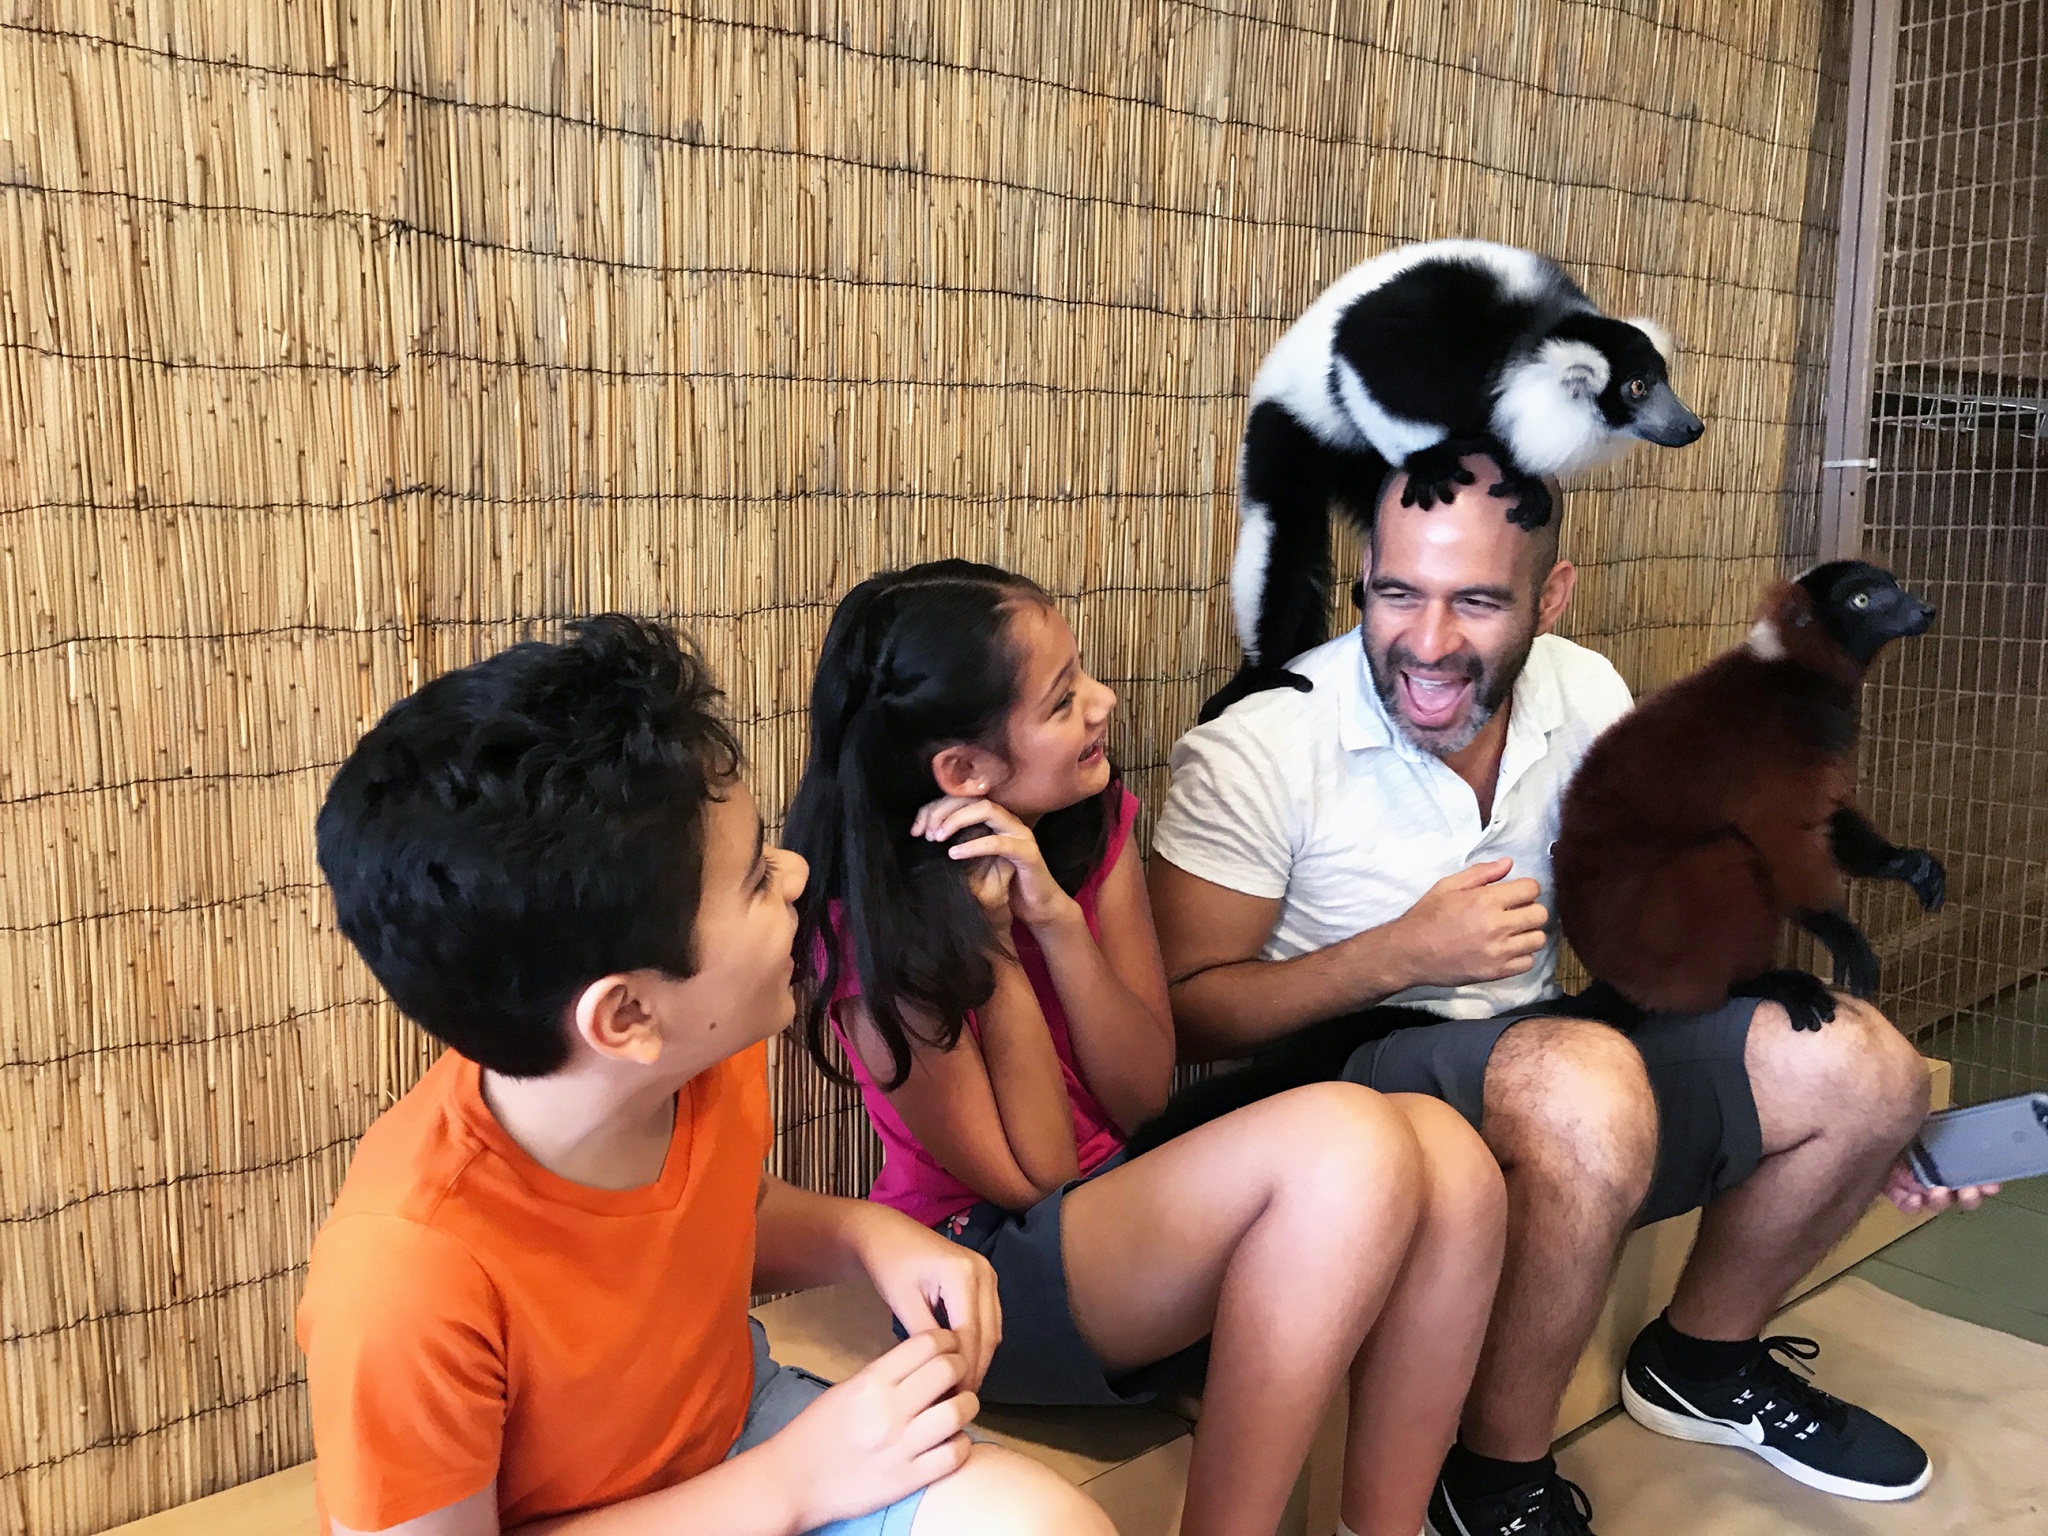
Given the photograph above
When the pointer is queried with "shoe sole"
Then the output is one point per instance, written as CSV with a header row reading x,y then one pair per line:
x,y
1682,1426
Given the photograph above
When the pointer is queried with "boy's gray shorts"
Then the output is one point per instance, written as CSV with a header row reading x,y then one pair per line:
x,y
781,1392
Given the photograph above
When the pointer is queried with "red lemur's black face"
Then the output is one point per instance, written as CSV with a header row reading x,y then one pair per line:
x,y
1862,606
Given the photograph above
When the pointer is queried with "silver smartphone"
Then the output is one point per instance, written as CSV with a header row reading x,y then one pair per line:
x,y
1985,1144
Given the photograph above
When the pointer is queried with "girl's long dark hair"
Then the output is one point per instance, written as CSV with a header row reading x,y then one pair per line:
x,y
914,661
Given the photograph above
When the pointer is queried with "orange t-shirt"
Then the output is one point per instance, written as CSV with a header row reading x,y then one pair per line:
x,y
469,1315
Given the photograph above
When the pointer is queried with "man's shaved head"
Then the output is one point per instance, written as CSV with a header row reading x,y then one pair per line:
x,y
1454,597
1538,546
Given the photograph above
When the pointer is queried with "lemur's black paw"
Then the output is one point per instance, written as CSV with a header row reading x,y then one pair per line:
x,y
1248,681
1925,874
1805,998
1531,497
1856,973
1435,473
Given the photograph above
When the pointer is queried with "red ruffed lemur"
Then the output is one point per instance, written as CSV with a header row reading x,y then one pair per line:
x,y
1719,808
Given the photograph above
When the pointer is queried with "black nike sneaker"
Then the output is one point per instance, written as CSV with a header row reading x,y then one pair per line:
x,y
1549,1506
1772,1409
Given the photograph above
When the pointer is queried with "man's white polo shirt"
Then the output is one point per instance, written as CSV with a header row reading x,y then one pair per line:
x,y
1317,799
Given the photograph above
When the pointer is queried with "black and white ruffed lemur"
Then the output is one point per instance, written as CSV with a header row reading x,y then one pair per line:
x,y
1414,360
1695,827
1719,808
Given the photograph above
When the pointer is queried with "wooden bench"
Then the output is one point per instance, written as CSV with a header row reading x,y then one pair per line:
x,y
1132,1461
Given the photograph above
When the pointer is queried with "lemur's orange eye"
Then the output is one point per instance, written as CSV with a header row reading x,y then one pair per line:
x,y
1635,389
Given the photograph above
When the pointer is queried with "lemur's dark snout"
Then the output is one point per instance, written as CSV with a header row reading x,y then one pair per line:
x,y
1691,432
1666,421
1899,614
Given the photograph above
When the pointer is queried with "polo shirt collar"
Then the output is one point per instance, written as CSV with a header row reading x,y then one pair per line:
x,y
1539,699
1362,723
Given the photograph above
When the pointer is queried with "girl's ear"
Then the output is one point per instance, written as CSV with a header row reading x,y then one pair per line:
x,y
968,772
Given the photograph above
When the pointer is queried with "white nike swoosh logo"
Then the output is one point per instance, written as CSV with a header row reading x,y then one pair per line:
x,y
1753,1431
1456,1519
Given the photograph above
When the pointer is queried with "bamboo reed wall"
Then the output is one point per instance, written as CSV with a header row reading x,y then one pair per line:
x,y
343,341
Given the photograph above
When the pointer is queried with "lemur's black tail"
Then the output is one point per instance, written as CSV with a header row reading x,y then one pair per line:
x,y
1316,1054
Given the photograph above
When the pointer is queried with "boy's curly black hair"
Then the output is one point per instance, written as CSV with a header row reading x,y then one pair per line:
x,y
519,828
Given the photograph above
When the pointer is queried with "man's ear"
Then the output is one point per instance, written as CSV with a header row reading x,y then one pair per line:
x,y
968,772
1555,595
614,1019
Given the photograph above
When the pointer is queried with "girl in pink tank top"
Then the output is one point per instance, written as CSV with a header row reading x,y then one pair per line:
x,y
973,942
975,952
912,1180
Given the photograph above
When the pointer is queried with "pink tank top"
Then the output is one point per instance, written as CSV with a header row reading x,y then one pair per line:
x,y
911,1180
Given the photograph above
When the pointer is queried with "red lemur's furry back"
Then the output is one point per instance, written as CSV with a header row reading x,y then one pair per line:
x,y
1719,808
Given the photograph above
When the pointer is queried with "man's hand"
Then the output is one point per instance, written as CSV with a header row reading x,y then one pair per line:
x,y
1475,925
1906,1191
917,1272
880,1435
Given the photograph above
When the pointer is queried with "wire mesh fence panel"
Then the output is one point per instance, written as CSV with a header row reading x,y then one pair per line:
x,y
1956,754
345,341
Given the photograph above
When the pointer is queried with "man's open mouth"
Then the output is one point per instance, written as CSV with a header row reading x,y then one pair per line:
x,y
1432,703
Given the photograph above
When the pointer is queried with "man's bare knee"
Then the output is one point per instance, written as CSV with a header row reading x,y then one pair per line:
x,y
1000,1493
1569,1099
1856,1076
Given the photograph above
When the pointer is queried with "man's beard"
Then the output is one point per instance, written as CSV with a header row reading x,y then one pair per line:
x,y
1492,683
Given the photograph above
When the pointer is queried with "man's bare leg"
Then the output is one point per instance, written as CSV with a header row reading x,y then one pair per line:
x,y
1570,1118
1837,1106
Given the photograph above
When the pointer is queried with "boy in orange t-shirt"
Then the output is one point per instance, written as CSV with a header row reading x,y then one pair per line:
x,y
528,1309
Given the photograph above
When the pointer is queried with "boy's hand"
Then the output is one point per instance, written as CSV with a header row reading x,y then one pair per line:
x,y
917,1272
1906,1191
880,1435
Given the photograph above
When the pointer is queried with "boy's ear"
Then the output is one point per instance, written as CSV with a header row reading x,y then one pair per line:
x,y
968,772
614,1019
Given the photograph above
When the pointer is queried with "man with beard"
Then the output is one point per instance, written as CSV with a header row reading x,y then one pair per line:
x,y
1385,837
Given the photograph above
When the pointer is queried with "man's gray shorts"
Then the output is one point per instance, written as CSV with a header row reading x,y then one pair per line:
x,y
1708,1138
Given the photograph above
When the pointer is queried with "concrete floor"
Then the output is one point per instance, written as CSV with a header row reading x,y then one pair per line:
x,y
1988,1266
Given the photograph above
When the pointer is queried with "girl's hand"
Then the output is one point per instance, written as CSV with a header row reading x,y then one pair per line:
x,y
988,879
1034,896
